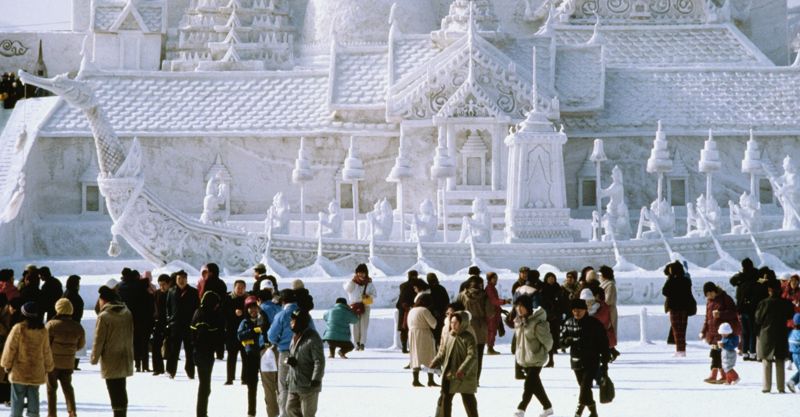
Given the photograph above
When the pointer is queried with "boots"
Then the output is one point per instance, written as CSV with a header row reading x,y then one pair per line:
x,y
722,377
416,382
579,411
431,382
731,377
490,351
120,413
550,363
593,410
712,379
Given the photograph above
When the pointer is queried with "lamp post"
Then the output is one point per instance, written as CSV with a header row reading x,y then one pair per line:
x,y
300,175
598,156
353,172
442,169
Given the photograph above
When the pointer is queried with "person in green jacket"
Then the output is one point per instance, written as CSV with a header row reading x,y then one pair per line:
x,y
337,332
457,357
533,343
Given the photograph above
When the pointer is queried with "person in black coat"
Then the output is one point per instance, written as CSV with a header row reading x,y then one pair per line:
x,y
182,302
72,294
234,311
160,324
51,291
207,331
588,351
405,301
133,292
440,299
553,303
679,303
771,316
749,292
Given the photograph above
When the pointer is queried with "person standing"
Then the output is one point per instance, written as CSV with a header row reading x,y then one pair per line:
x,y
280,335
133,292
302,296
720,308
771,316
794,350
306,367
588,351
182,302
251,333
679,303
609,286
210,281
7,286
553,301
337,328
570,286
534,342
439,301
234,311
482,311
66,338
207,330
459,364
72,293
113,348
361,293
27,359
421,324
494,323
260,276
748,294
405,301
51,291
160,324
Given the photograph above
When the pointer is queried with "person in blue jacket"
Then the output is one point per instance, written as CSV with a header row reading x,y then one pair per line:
x,y
280,335
251,334
794,349
337,331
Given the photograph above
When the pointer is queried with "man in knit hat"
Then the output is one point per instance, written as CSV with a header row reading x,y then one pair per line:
x,y
113,348
588,351
66,338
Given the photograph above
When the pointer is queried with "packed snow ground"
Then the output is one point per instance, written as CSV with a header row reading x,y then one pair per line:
x,y
649,382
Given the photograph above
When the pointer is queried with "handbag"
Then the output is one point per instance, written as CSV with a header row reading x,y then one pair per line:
x,y
358,308
366,298
606,389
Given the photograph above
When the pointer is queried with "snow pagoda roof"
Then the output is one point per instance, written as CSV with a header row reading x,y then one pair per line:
x,y
359,76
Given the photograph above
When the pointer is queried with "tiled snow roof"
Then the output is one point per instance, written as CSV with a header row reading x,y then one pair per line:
x,y
686,45
152,14
693,101
410,53
203,103
580,78
360,77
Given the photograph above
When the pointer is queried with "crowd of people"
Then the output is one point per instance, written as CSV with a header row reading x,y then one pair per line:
x,y
143,327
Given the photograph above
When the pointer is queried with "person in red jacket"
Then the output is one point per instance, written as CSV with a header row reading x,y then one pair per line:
x,y
720,308
494,324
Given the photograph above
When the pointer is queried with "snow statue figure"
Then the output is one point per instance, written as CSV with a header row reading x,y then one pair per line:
x,y
478,227
745,216
330,223
425,223
214,203
702,219
659,220
787,189
15,204
278,215
381,220
615,220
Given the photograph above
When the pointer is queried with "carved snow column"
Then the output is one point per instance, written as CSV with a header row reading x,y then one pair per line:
x,y
536,200
400,171
300,175
659,161
598,156
443,169
353,172
709,164
751,164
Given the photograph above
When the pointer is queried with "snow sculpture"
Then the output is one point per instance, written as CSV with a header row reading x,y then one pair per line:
x,y
215,201
425,223
381,220
751,164
709,164
659,219
278,215
616,220
745,216
353,172
300,175
703,218
787,190
659,161
15,203
330,223
478,227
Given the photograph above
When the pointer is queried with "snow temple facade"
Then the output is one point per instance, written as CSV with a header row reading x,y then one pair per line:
x,y
226,89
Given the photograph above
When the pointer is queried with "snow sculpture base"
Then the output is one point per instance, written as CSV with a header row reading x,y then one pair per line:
x,y
539,225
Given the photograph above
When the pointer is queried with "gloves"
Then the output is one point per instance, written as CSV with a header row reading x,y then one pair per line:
x,y
257,330
460,374
316,384
291,361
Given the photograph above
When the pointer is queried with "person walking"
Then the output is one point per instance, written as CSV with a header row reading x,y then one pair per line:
x,y
439,301
609,287
720,308
113,348
749,292
280,335
306,367
251,334
405,300
679,303
476,302
159,340
66,338
337,328
234,311
553,301
182,302
457,357
771,316
534,341
794,350
494,324
133,292
27,359
51,291
72,293
361,293
207,330
421,324
587,340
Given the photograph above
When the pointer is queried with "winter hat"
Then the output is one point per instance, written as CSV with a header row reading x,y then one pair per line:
x,y
30,310
796,319
709,287
474,270
725,329
362,268
107,294
577,304
64,307
301,320
526,301
297,284
250,300
586,295
260,268
591,275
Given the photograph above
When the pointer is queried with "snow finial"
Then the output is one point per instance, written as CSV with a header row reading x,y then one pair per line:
x,y
471,30
547,27
597,37
392,15
796,63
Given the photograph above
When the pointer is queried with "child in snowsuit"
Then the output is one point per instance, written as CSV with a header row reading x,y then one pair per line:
x,y
728,345
794,349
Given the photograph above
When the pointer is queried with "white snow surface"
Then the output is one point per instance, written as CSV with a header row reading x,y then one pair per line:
x,y
649,382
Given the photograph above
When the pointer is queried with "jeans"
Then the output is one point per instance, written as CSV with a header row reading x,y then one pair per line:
x,y
679,320
748,333
118,394
533,386
19,392
444,407
585,379
204,368
63,376
796,377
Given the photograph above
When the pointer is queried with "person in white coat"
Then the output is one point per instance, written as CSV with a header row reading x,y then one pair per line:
x,y
421,324
360,295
